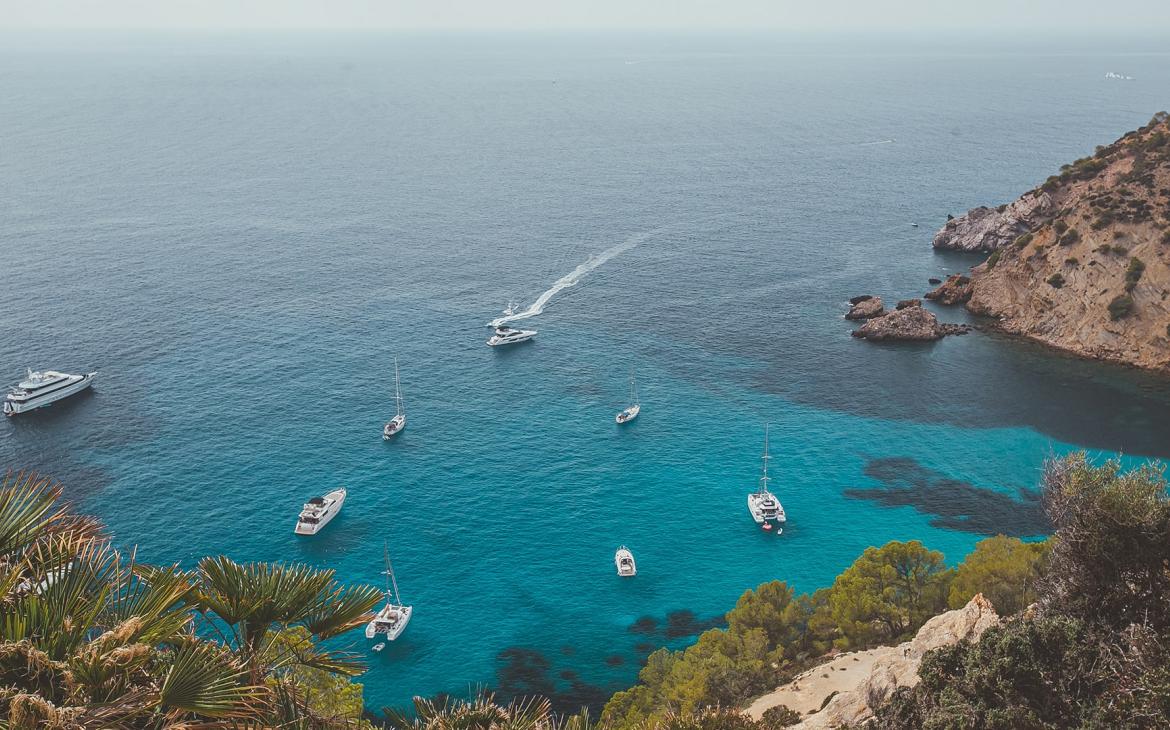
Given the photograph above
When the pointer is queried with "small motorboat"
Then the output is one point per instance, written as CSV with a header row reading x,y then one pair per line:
x,y
623,560
379,646
318,511
508,336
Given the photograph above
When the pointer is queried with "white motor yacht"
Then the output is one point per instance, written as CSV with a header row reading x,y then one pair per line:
x,y
623,559
508,336
394,616
40,389
318,511
635,407
765,509
396,424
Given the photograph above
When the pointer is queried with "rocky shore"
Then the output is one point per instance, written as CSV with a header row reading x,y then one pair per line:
x,y
1082,262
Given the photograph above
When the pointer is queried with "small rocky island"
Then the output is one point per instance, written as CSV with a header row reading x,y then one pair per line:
x,y
909,322
1082,262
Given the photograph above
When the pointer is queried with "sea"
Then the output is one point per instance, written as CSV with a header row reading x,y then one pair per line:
x,y
241,231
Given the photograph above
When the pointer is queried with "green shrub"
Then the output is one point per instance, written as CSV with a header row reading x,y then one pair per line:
x,y
1166,238
1119,250
993,259
1134,273
1004,569
1056,280
780,716
1023,240
1120,307
1069,238
1072,261
1060,226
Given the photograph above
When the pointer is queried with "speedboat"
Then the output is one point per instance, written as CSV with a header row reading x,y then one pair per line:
x,y
765,509
396,424
318,511
624,560
40,389
635,408
508,336
392,619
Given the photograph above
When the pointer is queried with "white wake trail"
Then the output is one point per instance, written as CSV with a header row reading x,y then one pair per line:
x,y
571,279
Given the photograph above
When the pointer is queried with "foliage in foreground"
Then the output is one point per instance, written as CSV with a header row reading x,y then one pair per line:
x,y
90,638
1095,652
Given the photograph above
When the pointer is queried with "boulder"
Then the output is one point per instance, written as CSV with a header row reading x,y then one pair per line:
x,y
898,667
957,289
908,323
909,303
865,307
934,281
986,229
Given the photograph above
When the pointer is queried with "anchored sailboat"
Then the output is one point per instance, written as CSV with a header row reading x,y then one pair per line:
x,y
763,505
396,424
635,407
394,616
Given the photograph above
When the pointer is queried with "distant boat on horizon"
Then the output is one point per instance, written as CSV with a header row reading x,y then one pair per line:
x,y
396,424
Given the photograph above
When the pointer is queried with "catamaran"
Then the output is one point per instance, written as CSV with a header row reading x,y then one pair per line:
x,y
40,389
394,616
396,424
763,505
623,559
318,511
635,407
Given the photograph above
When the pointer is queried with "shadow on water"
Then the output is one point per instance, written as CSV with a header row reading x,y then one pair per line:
x,y
954,504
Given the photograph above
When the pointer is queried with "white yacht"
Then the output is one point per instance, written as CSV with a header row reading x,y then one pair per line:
x,y
762,504
393,618
318,511
635,407
396,424
43,388
508,336
623,559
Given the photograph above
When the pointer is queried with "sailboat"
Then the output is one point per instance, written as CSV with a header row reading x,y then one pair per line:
x,y
394,616
396,424
762,504
631,412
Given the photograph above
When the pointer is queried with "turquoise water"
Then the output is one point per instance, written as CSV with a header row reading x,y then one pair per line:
x,y
245,230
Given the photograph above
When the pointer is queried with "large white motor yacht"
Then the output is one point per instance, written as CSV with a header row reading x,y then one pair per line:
x,y
394,616
635,407
763,505
508,336
623,559
396,424
38,390
318,511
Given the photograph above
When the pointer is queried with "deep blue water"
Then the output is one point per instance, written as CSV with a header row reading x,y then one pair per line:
x,y
241,232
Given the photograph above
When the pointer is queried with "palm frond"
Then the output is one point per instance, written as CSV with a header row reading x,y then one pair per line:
x,y
205,681
341,610
27,504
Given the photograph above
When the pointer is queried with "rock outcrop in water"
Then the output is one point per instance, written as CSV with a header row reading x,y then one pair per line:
x,y
865,307
956,289
909,322
1088,268
877,672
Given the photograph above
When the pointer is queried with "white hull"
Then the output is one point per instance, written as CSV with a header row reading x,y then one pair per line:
x,y
390,622
334,501
13,406
623,560
510,337
765,508
629,414
393,427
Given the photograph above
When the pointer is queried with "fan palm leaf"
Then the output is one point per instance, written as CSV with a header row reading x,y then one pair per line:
x,y
205,681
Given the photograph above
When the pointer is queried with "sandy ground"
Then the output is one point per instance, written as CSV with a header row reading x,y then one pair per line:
x,y
808,691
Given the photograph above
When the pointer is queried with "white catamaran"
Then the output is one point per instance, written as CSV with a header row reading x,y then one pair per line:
x,y
762,504
635,407
396,424
394,616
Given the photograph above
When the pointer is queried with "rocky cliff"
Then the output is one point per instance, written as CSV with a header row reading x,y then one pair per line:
x,y
1082,263
851,684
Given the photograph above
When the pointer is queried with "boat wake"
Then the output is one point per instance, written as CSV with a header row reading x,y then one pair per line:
x,y
880,141
570,279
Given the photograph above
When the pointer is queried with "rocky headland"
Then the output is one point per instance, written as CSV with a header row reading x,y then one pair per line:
x,y
1082,262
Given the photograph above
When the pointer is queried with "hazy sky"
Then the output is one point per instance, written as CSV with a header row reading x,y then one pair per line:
x,y
902,15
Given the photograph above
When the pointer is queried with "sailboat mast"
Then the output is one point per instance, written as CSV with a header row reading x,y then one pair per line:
x,y
633,388
391,581
764,472
397,388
